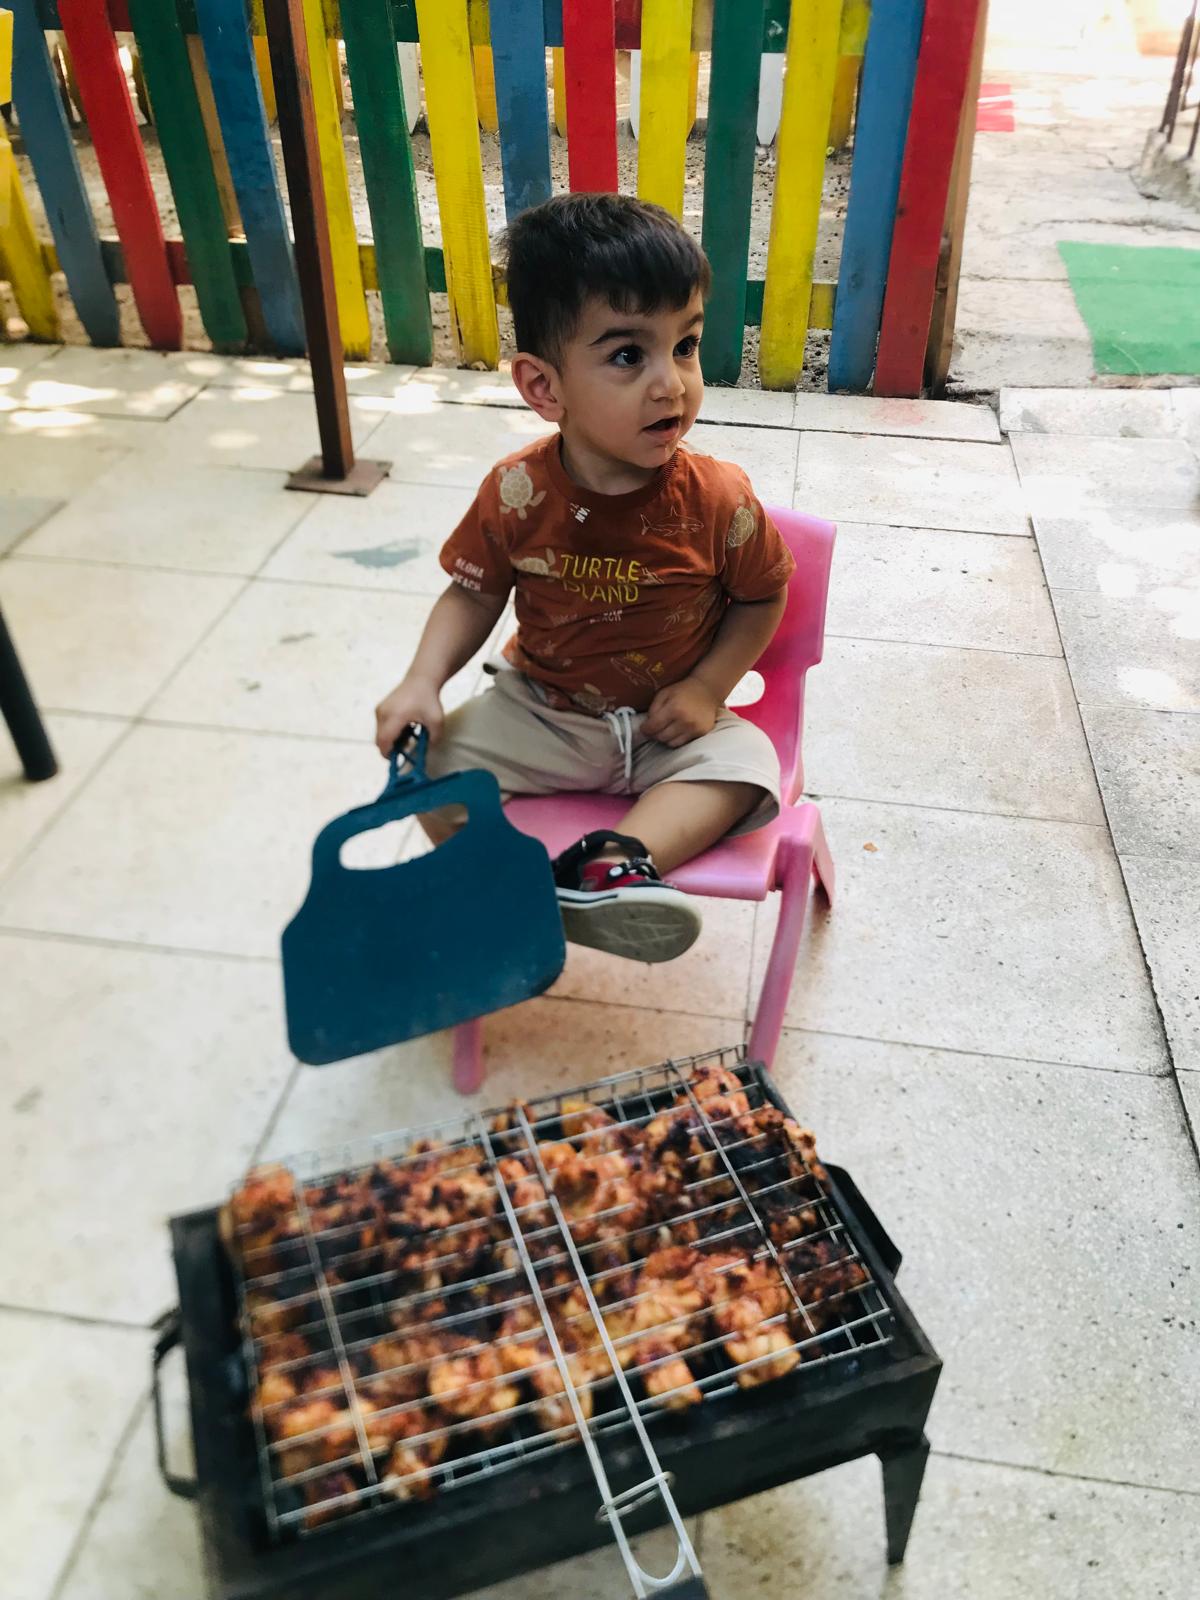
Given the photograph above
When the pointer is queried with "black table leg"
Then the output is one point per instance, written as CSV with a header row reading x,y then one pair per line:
x,y
903,1470
24,723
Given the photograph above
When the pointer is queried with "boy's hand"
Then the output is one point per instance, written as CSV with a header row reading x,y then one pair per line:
x,y
414,700
681,712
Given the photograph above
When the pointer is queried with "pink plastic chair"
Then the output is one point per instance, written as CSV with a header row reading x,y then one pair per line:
x,y
784,856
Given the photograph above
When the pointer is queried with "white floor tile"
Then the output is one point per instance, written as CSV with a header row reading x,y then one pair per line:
x,y
50,468
1148,764
1140,653
80,430
1006,735
1113,413
1075,477
1123,552
983,1531
460,386
538,1048
149,1078
967,932
198,518
189,839
66,1389
449,446
80,743
16,359
253,427
144,1543
114,383
390,540
292,658
937,586
1042,1249
755,406
766,455
1165,894
928,483
20,514
96,638
913,419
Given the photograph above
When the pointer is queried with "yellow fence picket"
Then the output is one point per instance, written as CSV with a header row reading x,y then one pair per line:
x,y
485,90
21,259
812,52
665,92
343,237
458,174
560,92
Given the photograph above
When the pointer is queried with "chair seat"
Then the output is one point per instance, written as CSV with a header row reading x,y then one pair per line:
x,y
745,868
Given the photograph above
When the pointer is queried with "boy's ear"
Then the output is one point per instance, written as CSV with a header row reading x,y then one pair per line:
x,y
538,385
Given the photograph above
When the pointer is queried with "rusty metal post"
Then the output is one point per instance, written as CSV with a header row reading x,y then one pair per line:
x,y
335,470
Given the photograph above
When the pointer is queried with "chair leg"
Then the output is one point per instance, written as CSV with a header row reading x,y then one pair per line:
x,y
781,965
468,1073
822,862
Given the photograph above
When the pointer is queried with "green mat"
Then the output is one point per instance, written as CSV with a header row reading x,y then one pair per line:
x,y
1141,305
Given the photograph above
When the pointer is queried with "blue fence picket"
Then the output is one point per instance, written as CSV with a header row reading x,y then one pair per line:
x,y
225,29
884,99
519,57
48,141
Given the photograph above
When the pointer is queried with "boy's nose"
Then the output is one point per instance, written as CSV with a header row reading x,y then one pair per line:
x,y
666,382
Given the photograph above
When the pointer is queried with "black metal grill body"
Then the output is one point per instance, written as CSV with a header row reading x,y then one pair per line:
x,y
542,1511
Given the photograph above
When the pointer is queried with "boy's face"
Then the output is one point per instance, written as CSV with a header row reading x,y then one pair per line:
x,y
629,385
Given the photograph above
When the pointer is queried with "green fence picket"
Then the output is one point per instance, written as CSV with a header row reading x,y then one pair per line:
x,y
379,115
729,181
180,126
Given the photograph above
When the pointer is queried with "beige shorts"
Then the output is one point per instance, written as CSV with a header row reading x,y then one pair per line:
x,y
532,748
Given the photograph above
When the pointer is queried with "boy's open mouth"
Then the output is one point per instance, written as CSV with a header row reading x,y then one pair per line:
x,y
666,425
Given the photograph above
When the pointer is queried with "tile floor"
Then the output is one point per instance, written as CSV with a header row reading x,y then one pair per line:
x,y
975,1031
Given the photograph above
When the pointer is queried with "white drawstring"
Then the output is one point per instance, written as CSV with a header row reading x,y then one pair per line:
x,y
621,723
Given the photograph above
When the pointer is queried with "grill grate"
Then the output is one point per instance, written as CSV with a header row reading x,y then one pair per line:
x,y
535,1309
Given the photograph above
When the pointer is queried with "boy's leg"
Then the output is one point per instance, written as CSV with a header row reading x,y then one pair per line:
x,y
676,821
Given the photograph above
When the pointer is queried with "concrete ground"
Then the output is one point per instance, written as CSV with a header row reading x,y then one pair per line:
x,y
1083,103
1005,742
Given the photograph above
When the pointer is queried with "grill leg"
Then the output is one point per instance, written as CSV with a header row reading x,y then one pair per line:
x,y
24,723
903,1471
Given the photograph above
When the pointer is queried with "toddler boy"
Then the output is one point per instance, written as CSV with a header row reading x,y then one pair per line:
x,y
648,579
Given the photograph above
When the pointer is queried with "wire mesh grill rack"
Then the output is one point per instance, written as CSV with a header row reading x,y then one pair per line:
x,y
450,1302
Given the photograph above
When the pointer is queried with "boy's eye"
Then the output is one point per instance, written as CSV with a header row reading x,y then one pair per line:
x,y
689,346
627,356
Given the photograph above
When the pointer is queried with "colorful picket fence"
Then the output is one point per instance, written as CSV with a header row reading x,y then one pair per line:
x,y
203,75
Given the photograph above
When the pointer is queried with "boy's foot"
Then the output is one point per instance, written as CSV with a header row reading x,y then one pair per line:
x,y
619,903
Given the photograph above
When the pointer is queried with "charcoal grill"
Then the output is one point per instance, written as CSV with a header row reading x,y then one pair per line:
x,y
505,1493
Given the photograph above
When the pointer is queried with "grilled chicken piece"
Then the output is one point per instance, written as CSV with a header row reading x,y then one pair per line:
x,y
409,1472
593,1127
473,1388
318,1492
755,1295
719,1092
323,1428
281,1349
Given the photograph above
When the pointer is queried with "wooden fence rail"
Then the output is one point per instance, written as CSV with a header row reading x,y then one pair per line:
x,y
204,77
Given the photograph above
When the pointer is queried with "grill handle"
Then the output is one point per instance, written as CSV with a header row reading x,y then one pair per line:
x,y
170,1332
871,1225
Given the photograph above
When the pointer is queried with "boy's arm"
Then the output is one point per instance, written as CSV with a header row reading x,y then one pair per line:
x,y
459,624
685,710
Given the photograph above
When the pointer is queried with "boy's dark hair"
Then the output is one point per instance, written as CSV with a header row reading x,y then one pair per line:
x,y
562,253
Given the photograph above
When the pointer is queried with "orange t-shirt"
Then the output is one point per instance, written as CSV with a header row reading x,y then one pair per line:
x,y
616,595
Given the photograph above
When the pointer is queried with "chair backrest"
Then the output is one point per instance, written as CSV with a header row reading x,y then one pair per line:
x,y
797,645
